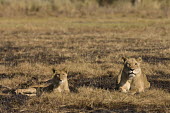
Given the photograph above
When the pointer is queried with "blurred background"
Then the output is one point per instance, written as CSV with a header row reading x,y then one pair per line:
x,y
80,8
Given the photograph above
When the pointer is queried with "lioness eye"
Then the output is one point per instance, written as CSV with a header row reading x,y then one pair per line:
x,y
136,64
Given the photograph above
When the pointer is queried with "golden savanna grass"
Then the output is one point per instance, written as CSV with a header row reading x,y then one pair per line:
x,y
81,8
91,50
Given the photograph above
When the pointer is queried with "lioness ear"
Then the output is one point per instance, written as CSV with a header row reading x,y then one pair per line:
x,y
124,59
139,59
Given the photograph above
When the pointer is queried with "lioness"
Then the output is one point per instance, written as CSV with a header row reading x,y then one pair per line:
x,y
58,83
131,77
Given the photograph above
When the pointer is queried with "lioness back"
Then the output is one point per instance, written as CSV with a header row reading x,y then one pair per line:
x,y
131,77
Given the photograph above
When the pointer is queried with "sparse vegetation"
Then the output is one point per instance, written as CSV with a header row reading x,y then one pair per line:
x,y
91,50
88,39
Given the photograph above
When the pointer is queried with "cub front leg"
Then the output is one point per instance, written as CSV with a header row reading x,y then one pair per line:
x,y
122,89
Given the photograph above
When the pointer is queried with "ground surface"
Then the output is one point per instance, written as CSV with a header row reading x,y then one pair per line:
x,y
91,50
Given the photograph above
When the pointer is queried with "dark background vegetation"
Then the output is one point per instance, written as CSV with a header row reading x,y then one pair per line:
x,y
143,8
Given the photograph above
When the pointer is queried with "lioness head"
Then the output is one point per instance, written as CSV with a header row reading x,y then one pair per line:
x,y
132,67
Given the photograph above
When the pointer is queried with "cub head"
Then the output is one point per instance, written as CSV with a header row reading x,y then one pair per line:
x,y
59,75
132,67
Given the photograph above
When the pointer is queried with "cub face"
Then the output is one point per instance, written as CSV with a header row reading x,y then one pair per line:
x,y
59,76
132,67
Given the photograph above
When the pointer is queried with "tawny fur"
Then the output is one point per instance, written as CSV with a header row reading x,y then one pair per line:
x,y
58,83
131,77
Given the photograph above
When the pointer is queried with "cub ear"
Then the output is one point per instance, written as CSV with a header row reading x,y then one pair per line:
x,y
139,59
124,59
65,70
54,70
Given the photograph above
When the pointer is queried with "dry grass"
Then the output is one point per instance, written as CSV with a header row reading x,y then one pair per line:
x,y
91,50
83,8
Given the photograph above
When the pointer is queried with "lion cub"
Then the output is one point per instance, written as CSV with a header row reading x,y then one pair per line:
x,y
58,83
131,77
63,83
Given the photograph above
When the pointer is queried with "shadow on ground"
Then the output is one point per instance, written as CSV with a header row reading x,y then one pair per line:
x,y
103,82
119,107
155,59
8,103
160,81
10,75
12,55
160,84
